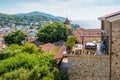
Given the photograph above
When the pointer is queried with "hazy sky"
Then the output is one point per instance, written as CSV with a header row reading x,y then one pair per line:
x,y
75,9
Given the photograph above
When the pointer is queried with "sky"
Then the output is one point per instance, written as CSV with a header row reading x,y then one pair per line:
x,y
73,9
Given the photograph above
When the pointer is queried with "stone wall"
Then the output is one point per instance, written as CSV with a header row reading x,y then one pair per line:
x,y
88,67
115,66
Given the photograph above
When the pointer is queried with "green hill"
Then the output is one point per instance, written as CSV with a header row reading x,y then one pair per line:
x,y
25,18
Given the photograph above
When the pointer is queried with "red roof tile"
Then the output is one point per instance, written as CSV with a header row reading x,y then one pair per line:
x,y
80,32
48,47
60,53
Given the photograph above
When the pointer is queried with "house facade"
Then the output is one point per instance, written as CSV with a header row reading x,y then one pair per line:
x,y
110,25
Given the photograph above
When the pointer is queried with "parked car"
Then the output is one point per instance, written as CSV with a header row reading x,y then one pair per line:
x,y
91,45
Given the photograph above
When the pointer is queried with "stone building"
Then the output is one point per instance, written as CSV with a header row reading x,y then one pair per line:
x,y
48,47
110,25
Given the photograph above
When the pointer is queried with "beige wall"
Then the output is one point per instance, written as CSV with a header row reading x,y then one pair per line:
x,y
115,50
107,29
89,67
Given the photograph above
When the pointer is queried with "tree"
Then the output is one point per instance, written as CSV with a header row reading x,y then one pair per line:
x,y
53,32
71,42
21,65
30,48
15,37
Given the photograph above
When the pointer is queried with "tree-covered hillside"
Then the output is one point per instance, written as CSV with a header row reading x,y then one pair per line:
x,y
23,19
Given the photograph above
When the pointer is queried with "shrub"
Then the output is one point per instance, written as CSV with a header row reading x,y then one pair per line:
x,y
31,48
18,64
11,51
20,74
15,37
8,53
21,60
40,73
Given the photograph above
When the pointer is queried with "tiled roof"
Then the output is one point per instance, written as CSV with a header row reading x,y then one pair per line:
x,y
60,53
86,32
92,32
48,47
109,15
80,32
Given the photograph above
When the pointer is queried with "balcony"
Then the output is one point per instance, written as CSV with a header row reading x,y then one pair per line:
x,y
89,50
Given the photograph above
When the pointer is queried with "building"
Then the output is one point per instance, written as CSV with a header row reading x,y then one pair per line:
x,y
99,67
110,25
85,35
2,46
5,30
60,53
67,23
49,47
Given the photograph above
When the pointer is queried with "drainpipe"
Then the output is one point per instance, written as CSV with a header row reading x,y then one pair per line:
x,y
102,28
110,52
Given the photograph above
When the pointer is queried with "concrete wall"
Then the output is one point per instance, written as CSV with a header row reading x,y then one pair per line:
x,y
89,67
115,66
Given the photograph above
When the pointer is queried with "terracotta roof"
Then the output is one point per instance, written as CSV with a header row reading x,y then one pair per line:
x,y
92,32
79,32
109,15
48,47
84,32
67,21
60,53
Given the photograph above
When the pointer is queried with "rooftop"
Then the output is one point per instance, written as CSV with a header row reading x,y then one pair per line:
x,y
109,15
60,53
49,47
86,32
67,21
